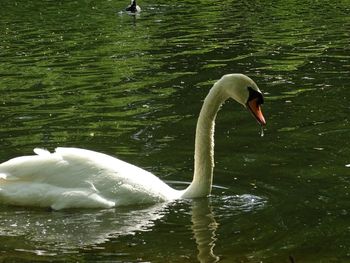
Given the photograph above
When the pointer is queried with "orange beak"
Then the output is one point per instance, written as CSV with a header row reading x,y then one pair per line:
x,y
255,109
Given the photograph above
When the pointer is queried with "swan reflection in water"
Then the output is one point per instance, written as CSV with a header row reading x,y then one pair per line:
x,y
204,227
55,232
73,231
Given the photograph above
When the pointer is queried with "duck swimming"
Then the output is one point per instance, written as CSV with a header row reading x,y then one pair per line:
x,y
133,7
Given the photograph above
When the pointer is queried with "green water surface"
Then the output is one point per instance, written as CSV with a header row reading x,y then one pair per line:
x,y
84,74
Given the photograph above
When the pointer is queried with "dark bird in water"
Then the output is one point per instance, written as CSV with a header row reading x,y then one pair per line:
x,y
133,7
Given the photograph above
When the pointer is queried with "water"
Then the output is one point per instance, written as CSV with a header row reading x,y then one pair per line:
x,y
81,73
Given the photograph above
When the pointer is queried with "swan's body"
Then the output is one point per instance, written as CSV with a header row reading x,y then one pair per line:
x,y
72,177
133,7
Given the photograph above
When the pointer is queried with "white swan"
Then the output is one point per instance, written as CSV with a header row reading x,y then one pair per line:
x,y
78,178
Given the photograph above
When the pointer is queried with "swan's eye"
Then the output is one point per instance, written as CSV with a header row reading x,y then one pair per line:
x,y
253,94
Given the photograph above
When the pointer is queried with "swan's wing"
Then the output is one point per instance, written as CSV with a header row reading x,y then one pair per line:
x,y
33,167
52,180
121,181
70,167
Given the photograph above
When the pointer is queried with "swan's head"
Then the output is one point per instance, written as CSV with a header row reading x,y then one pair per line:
x,y
244,90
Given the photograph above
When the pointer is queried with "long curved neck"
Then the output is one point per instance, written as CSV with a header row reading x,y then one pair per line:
x,y
204,145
